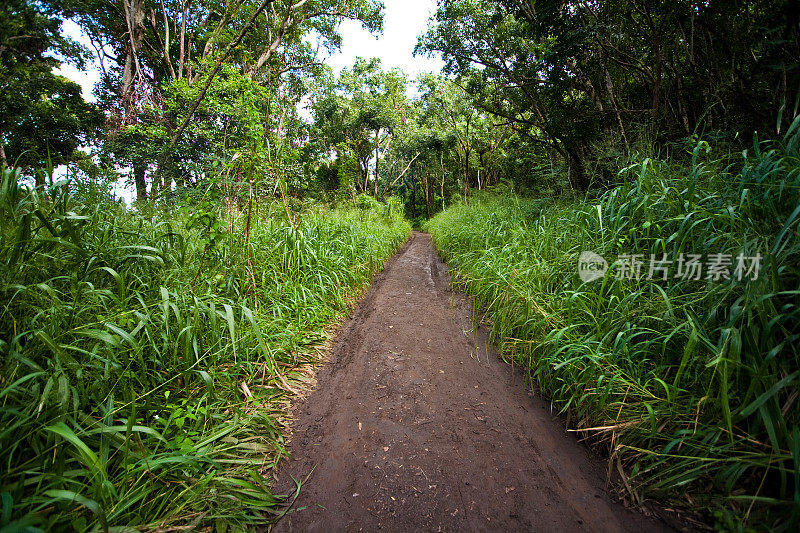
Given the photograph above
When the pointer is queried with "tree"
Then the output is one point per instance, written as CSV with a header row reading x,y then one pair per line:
x,y
42,115
150,48
361,113
473,135
503,64
571,75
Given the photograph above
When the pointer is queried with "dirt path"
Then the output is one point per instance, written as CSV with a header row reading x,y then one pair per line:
x,y
415,425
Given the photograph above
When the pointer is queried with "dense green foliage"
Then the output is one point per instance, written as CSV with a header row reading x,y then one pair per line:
x,y
357,116
42,115
144,355
691,384
581,81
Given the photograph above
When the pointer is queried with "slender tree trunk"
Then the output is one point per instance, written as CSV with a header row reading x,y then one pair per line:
x,y
480,166
613,98
414,200
155,186
162,179
139,169
466,175
2,152
659,69
427,196
366,175
683,105
657,87
441,163
578,169
182,39
131,72
377,159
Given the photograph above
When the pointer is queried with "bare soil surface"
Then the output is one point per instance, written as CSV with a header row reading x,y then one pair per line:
x,y
416,424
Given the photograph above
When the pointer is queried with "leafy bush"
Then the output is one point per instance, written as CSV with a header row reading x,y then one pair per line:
x,y
365,201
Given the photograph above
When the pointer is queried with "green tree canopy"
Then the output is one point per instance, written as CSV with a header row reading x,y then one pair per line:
x,y
572,74
42,115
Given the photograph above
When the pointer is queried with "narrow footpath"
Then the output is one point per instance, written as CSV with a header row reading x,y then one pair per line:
x,y
416,425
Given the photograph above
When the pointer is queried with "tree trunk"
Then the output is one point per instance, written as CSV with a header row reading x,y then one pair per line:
x,y
414,200
613,98
683,105
162,180
134,19
377,159
139,169
657,86
578,169
441,163
2,153
466,175
427,197
659,68
182,40
480,166
365,174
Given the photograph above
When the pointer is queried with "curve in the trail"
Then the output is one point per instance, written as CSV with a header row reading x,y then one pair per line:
x,y
416,424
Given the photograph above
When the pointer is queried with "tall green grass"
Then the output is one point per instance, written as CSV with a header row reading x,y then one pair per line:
x,y
144,356
692,385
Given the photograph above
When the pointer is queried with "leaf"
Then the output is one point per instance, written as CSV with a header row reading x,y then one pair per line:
x,y
231,327
99,334
89,457
262,345
124,334
71,496
207,380
117,278
7,505
769,393
784,230
20,381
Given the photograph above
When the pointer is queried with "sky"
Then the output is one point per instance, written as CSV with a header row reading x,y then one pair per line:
x,y
87,78
404,21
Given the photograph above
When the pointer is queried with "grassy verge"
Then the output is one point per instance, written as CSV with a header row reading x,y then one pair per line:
x,y
143,356
691,384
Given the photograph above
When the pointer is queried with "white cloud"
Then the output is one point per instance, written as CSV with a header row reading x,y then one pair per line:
x,y
404,21
85,78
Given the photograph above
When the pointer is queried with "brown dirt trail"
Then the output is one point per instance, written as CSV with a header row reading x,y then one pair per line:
x,y
416,424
